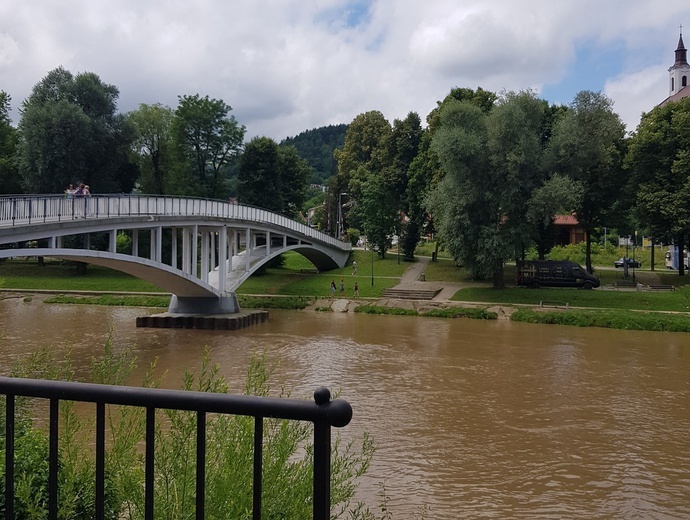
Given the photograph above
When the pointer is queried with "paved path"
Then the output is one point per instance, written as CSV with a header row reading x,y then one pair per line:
x,y
412,280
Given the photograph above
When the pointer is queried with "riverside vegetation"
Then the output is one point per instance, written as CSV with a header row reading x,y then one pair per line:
x,y
289,287
287,456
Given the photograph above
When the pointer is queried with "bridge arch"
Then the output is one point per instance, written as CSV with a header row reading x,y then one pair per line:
x,y
219,244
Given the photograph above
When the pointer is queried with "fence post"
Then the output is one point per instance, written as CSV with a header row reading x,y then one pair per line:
x,y
322,461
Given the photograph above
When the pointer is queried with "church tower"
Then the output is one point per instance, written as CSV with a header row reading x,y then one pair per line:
x,y
679,73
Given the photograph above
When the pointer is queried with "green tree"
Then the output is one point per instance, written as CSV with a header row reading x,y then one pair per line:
x,y
377,219
207,139
70,131
294,172
492,163
152,145
259,182
9,139
659,159
419,184
558,195
365,153
588,145
403,147
272,177
317,147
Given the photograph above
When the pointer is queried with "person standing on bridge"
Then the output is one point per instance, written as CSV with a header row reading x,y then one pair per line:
x,y
87,196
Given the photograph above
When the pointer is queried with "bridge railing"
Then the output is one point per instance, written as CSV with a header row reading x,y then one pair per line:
x,y
34,209
323,412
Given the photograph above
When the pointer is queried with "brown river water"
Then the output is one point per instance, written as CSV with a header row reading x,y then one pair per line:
x,y
471,419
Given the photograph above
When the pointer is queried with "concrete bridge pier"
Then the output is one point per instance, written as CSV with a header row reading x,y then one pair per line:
x,y
209,305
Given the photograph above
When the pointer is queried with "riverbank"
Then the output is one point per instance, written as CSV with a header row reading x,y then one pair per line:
x,y
291,288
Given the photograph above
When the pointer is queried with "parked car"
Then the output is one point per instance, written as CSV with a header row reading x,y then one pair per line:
x,y
631,262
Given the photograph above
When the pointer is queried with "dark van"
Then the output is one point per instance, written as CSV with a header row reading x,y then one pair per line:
x,y
554,273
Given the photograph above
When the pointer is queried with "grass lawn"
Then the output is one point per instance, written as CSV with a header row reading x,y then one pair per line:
x,y
678,300
288,280
58,275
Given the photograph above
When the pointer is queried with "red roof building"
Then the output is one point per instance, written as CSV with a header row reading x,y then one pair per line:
x,y
568,230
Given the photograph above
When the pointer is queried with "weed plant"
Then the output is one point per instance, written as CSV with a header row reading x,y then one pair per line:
x,y
112,300
287,452
456,312
461,312
376,309
626,320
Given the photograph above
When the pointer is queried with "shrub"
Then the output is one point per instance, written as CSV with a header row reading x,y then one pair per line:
x,y
287,452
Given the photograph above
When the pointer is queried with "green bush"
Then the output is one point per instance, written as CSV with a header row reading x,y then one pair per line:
x,y
375,309
462,312
619,319
287,452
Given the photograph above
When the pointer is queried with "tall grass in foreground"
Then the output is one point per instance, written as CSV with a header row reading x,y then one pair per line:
x,y
287,466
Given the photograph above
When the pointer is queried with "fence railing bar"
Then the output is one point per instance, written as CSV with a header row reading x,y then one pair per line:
x,y
53,459
9,457
322,471
149,462
258,473
200,465
100,461
20,210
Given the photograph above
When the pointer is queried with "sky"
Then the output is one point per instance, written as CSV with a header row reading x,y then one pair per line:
x,y
286,66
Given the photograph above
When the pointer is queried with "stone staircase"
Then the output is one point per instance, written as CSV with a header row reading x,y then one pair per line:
x,y
411,294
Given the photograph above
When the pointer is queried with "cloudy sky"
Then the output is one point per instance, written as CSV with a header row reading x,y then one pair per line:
x,y
290,65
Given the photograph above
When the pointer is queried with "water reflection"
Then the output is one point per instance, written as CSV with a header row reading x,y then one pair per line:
x,y
471,418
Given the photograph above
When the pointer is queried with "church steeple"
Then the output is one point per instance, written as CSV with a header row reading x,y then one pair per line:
x,y
681,52
680,71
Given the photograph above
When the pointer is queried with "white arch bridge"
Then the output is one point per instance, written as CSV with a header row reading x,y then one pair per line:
x,y
199,250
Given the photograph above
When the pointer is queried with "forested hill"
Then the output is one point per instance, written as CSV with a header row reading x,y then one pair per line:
x,y
316,147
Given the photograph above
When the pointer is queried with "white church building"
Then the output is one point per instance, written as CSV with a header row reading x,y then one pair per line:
x,y
679,75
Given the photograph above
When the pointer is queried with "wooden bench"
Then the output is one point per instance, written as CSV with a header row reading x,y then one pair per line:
x,y
661,288
309,271
620,284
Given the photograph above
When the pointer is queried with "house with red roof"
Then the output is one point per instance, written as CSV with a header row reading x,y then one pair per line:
x,y
568,230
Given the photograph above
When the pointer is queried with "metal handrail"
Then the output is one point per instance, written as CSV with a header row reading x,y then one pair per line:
x,y
33,209
323,412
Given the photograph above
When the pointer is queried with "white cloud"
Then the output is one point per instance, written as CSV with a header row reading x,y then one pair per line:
x,y
292,65
632,93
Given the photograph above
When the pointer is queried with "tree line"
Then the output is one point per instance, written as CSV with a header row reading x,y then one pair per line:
x,y
489,173
486,174
70,131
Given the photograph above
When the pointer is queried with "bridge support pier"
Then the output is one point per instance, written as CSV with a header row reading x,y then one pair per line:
x,y
208,305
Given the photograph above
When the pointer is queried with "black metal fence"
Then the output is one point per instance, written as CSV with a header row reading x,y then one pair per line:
x,y
323,412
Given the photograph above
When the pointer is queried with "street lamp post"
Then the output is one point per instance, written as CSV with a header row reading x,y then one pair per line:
x,y
367,242
634,255
340,215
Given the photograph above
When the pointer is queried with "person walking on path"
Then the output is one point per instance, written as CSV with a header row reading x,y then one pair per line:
x,y
356,291
332,289
354,268
342,286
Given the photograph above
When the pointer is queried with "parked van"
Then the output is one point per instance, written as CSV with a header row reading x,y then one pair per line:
x,y
554,273
672,261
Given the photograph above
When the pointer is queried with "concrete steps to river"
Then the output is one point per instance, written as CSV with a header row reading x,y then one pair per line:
x,y
411,294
